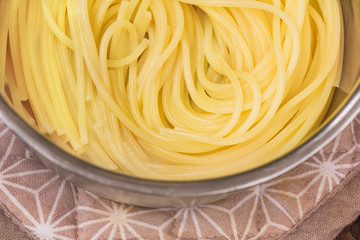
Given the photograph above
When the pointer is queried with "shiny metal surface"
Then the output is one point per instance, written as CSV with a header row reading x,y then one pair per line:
x,y
160,193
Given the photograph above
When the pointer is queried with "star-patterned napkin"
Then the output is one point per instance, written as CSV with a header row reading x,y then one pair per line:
x,y
49,208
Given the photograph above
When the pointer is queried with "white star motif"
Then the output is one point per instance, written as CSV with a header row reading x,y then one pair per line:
x,y
48,229
43,231
120,220
44,227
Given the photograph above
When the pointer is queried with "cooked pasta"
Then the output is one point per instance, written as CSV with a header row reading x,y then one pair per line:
x,y
171,90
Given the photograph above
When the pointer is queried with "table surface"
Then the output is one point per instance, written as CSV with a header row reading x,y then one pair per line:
x,y
351,232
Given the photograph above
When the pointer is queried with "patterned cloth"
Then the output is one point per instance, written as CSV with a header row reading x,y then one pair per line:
x,y
49,208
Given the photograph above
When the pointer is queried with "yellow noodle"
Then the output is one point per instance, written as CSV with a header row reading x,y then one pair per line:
x,y
176,89
4,30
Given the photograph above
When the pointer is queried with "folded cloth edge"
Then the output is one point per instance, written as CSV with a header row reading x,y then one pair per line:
x,y
325,230
17,225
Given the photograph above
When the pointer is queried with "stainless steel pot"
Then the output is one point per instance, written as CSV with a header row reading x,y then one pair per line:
x,y
344,108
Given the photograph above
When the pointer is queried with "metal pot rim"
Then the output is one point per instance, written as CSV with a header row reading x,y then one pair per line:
x,y
222,185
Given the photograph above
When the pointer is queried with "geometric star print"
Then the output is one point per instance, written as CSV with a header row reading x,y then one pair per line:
x,y
54,224
50,208
52,228
192,215
120,221
289,198
28,198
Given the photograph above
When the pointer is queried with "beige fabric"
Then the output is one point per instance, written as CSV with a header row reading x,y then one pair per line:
x,y
338,210
314,201
346,200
